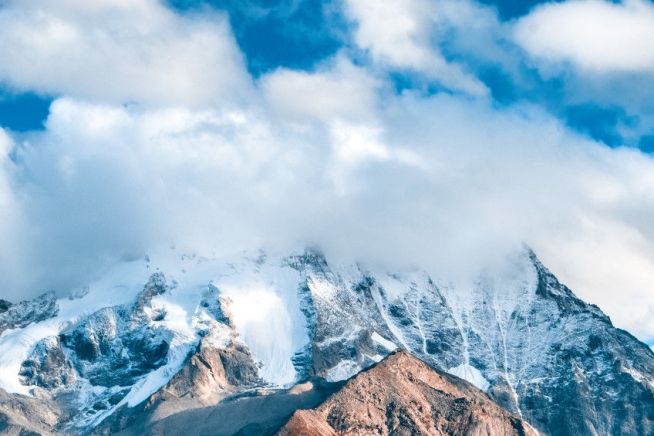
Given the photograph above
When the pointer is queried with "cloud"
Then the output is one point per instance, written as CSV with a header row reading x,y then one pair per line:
x,y
214,161
338,90
120,52
595,36
398,34
445,183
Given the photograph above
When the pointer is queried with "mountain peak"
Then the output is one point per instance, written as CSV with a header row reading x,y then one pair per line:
x,y
403,395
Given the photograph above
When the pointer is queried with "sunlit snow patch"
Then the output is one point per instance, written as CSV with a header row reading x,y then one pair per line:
x,y
471,374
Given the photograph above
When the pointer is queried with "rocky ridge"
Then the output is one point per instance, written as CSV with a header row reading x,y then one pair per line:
x,y
20,315
404,396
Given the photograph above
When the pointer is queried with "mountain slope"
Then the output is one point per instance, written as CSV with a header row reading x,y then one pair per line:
x,y
404,396
174,332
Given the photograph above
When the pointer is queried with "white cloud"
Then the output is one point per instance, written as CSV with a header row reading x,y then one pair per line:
x,y
120,52
337,90
593,35
12,253
400,34
328,157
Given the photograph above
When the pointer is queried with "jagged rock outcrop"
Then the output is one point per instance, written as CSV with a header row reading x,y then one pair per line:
x,y
111,347
213,370
218,368
404,396
339,320
26,312
47,366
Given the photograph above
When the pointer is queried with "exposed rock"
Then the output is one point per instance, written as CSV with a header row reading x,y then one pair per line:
x,y
537,349
340,319
4,305
216,305
26,312
25,416
219,367
253,413
112,348
47,366
519,335
404,396
214,371
155,286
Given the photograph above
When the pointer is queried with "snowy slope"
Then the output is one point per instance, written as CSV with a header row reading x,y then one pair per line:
x,y
263,307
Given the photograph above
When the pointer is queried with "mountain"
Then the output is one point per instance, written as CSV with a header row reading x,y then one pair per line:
x,y
174,335
404,396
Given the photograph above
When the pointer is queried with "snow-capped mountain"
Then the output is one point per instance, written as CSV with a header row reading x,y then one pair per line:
x,y
193,331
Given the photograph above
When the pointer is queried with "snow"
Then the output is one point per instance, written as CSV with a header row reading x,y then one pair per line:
x,y
119,285
264,308
491,313
470,374
266,313
344,370
390,346
391,325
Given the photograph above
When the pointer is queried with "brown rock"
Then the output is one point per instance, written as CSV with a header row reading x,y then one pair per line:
x,y
404,396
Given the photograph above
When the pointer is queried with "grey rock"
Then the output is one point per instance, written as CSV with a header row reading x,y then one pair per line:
x,y
112,348
47,366
542,351
537,350
26,312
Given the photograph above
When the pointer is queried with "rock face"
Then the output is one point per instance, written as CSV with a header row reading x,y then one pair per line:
x,y
26,312
25,416
404,396
47,366
522,336
111,347
212,373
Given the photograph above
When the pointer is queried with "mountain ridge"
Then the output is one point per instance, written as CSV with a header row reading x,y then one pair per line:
x,y
273,322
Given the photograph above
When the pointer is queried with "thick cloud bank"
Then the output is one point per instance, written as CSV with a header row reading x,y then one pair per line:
x,y
159,136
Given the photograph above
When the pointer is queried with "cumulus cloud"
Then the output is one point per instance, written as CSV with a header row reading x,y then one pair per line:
x,y
120,52
596,36
338,89
332,156
400,34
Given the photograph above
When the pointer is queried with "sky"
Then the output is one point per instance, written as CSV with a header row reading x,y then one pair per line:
x,y
443,134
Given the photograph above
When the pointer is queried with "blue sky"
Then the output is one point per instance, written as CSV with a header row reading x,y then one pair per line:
x,y
442,133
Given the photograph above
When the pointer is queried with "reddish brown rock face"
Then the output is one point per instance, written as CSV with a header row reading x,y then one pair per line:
x,y
404,396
